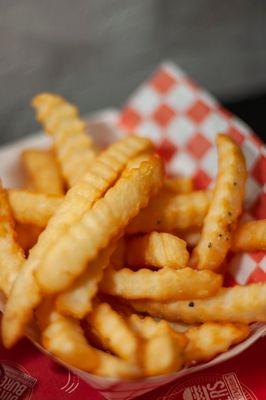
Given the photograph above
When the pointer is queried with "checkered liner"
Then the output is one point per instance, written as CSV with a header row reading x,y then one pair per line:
x,y
182,119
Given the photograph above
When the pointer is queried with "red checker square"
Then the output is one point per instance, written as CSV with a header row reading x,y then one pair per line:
x,y
198,145
259,209
162,81
201,179
163,115
235,134
198,111
167,150
129,118
258,275
257,256
259,170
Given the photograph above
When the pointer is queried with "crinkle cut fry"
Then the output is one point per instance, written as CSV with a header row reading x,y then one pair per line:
x,y
164,285
156,249
33,208
210,339
179,184
64,338
225,207
170,212
199,343
239,304
43,171
11,255
44,176
77,300
250,236
147,327
77,201
114,332
114,367
163,349
72,145
104,222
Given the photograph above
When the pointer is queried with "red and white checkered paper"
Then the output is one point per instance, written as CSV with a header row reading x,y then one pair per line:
x,y
182,120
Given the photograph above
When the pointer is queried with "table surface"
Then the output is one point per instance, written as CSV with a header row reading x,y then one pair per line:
x,y
96,52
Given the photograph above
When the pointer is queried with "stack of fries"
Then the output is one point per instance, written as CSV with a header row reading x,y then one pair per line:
x,y
121,267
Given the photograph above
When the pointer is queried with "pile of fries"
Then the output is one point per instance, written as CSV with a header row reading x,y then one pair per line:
x,y
121,267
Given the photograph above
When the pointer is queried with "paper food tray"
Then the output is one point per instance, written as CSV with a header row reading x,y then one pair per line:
x,y
182,120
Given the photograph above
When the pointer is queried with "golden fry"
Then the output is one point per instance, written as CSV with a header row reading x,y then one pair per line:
x,y
77,201
225,207
170,212
43,171
114,332
11,255
69,256
147,327
33,208
163,348
241,304
162,355
64,338
209,339
114,367
136,161
73,146
77,300
250,236
179,185
157,250
164,284
43,208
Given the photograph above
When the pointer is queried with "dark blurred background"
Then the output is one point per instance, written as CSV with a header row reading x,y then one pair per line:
x,y
96,52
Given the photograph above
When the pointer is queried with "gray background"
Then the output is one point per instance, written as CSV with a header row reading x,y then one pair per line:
x,y
96,52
